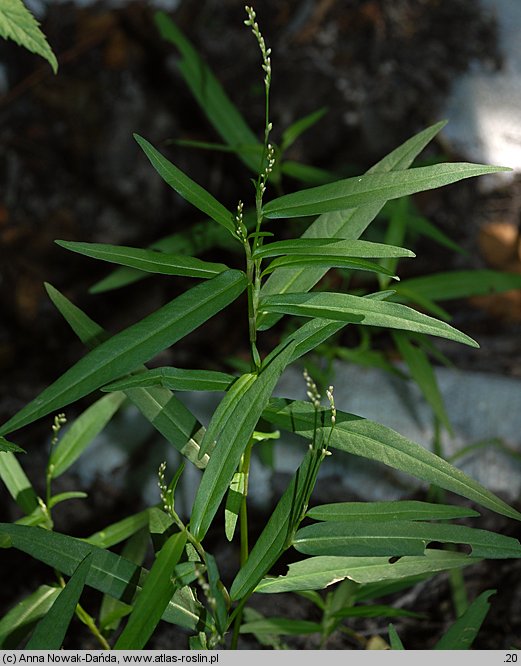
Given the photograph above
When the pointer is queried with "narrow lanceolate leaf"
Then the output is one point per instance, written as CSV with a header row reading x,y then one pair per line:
x,y
461,284
149,261
159,405
462,633
64,497
364,438
274,537
328,262
120,531
9,447
384,511
210,95
140,342
367,189
51,629
109,573
316,573
423,374
280,626
19,621
398,538
394,640
345,224
177,379
232,436
82,432
186,187
17,483
151,602
17,23
366,311
234,500
292,133
331,247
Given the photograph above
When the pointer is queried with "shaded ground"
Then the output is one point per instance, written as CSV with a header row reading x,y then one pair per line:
x,y
72,171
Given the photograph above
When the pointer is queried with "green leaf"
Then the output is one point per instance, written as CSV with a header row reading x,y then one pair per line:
x,y
394,639
280,626
108,573
398,538
370,188
17,483
460,284
364,438
208,92
306,174
462,633
149,261
316,573
82,432
220,610
236,493
348,224
362,310
376,610
292,133
176,379
51,629
119,531
19,621
151,602
64,497
198,238
9,447
164,411
273,539
423,375
136,344
186,187
17,23
328,262
232,435
385,511
331,247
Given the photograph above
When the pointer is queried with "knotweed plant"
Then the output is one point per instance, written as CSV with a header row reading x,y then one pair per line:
x,y
356,551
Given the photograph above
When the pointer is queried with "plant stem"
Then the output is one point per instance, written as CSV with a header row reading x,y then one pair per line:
x,y
90,623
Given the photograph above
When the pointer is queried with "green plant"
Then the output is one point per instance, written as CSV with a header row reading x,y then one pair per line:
x,y
17,23
372,547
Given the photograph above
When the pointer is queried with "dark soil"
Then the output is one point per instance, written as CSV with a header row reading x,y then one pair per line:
x,y
72,171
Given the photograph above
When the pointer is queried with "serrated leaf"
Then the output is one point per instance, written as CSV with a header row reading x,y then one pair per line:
x,y
17,23
371,188
362,310
149,261
18,622
186,187
109,573
153,599
208,92
177,379
462,633
51,629
398,538
82,432
140,342
385,511
361,437
9,447
232,435
316,573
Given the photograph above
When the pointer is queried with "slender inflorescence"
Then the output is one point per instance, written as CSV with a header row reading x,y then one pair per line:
x,y
266,60
59,421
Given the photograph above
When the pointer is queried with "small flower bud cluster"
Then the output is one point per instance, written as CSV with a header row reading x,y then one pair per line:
x,y
331,399
270,163
59,420
312,390
240,227
266,64
166,499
